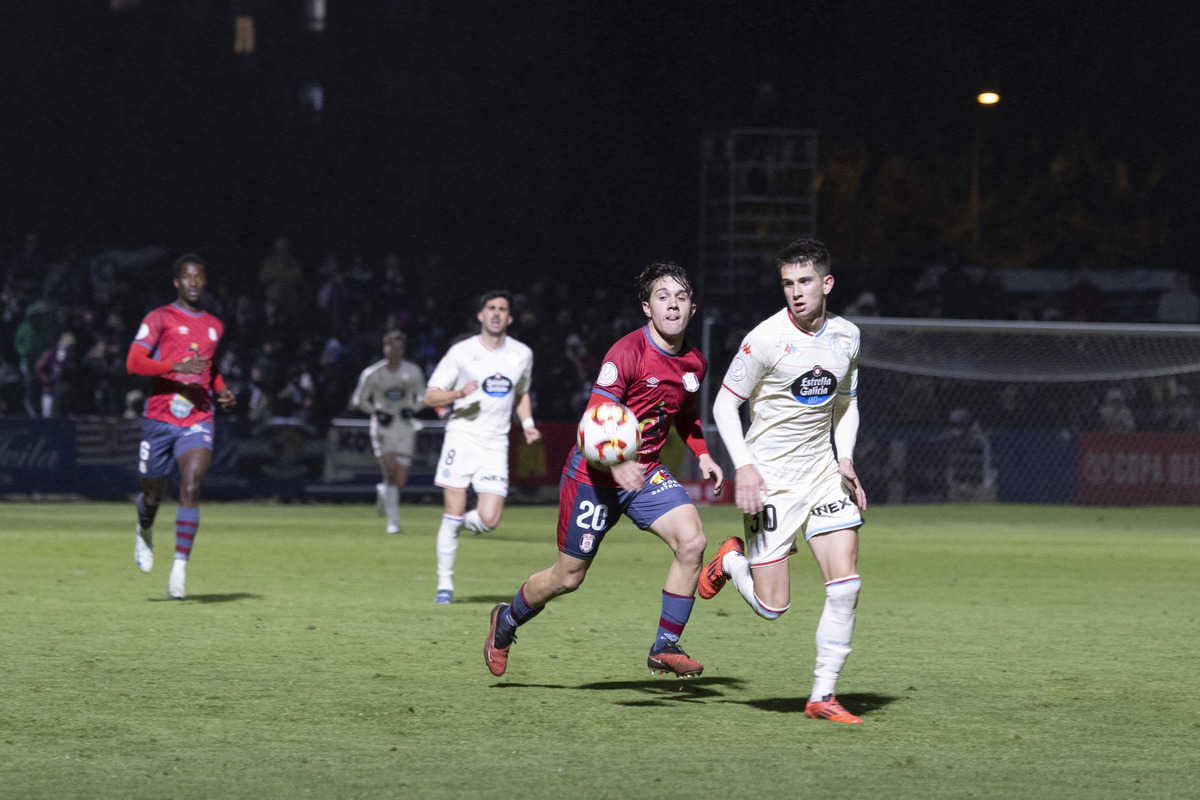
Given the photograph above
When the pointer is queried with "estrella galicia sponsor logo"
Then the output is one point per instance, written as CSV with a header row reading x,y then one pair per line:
x,y
832,508
814,387
497,385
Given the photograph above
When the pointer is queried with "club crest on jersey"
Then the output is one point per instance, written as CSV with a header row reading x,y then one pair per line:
x,y
608,374
814,387
690,382
738,371
212,334
497,385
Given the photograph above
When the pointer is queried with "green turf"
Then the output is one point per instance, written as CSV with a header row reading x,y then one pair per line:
x,y
1001,651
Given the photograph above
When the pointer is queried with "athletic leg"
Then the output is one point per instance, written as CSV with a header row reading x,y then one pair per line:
x,y
447,541
486,514
836,554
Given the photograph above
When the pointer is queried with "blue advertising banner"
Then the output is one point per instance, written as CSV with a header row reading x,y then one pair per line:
x,y
37,455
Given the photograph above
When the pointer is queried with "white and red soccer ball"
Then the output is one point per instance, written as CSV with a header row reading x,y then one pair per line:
x,y
609,433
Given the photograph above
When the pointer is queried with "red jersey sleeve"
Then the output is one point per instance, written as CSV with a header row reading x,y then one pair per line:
x,y
139,362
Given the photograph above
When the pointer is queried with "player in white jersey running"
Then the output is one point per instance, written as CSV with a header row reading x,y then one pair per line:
x,y
485,377
799,370
391,392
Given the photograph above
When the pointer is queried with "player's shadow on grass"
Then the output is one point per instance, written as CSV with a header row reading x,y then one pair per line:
x,y
232,597
861,704
664,691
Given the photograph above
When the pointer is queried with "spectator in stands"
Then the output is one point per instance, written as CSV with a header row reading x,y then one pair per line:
x,y
1181,412
57,370
1083,302
33,336
970,475
1114,414
102,374
1180,304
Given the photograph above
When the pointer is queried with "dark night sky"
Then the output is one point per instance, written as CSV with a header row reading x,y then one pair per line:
x,y
588,136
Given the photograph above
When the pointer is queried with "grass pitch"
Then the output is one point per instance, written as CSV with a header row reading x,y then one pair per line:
x,y
1001,651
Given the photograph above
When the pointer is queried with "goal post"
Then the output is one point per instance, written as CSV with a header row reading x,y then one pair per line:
x,y
963,410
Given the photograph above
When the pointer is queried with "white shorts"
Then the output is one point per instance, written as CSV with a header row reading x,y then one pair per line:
x,y
465,461
820,507
398,438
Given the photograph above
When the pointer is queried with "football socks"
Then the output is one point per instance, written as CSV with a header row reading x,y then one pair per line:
x,y
675,612
834,632
187,521
447,549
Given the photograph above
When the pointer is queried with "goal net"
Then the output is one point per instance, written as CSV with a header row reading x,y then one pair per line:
x,y
961,411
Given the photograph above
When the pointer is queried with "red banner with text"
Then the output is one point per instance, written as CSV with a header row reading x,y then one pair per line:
x,y
1139,468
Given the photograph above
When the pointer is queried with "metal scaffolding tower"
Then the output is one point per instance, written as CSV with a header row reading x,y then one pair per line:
x,y
757,195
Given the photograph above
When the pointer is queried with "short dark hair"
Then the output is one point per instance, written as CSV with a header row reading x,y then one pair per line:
x,y
806,251
492,294
395,335
656,271
187,258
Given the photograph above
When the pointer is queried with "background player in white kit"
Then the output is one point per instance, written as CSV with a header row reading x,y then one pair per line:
x,y
799,370
391,391
485,377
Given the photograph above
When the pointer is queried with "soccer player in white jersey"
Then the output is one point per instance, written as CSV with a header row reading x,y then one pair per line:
x,y
485,377
390,392
799,370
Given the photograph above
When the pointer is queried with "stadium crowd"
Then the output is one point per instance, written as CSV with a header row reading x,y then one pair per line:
x,y
300,327
298,333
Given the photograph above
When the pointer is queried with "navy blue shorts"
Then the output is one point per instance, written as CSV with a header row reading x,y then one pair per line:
x,y
162,443
586,512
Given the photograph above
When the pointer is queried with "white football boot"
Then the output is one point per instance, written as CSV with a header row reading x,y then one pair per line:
x,y
175,583
143,549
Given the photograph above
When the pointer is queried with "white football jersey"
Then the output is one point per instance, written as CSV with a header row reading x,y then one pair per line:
x,y
791,378
503,376
391,391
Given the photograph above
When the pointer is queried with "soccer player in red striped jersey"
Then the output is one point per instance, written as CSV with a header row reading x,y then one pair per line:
x,y
176,344
657,374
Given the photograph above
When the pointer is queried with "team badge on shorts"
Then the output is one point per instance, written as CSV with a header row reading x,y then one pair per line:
x,y
587,542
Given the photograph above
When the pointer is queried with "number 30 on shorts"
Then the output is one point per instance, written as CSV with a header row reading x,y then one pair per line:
x,y
764,520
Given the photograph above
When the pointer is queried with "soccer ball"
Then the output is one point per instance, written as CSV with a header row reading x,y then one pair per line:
x,y
609,434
